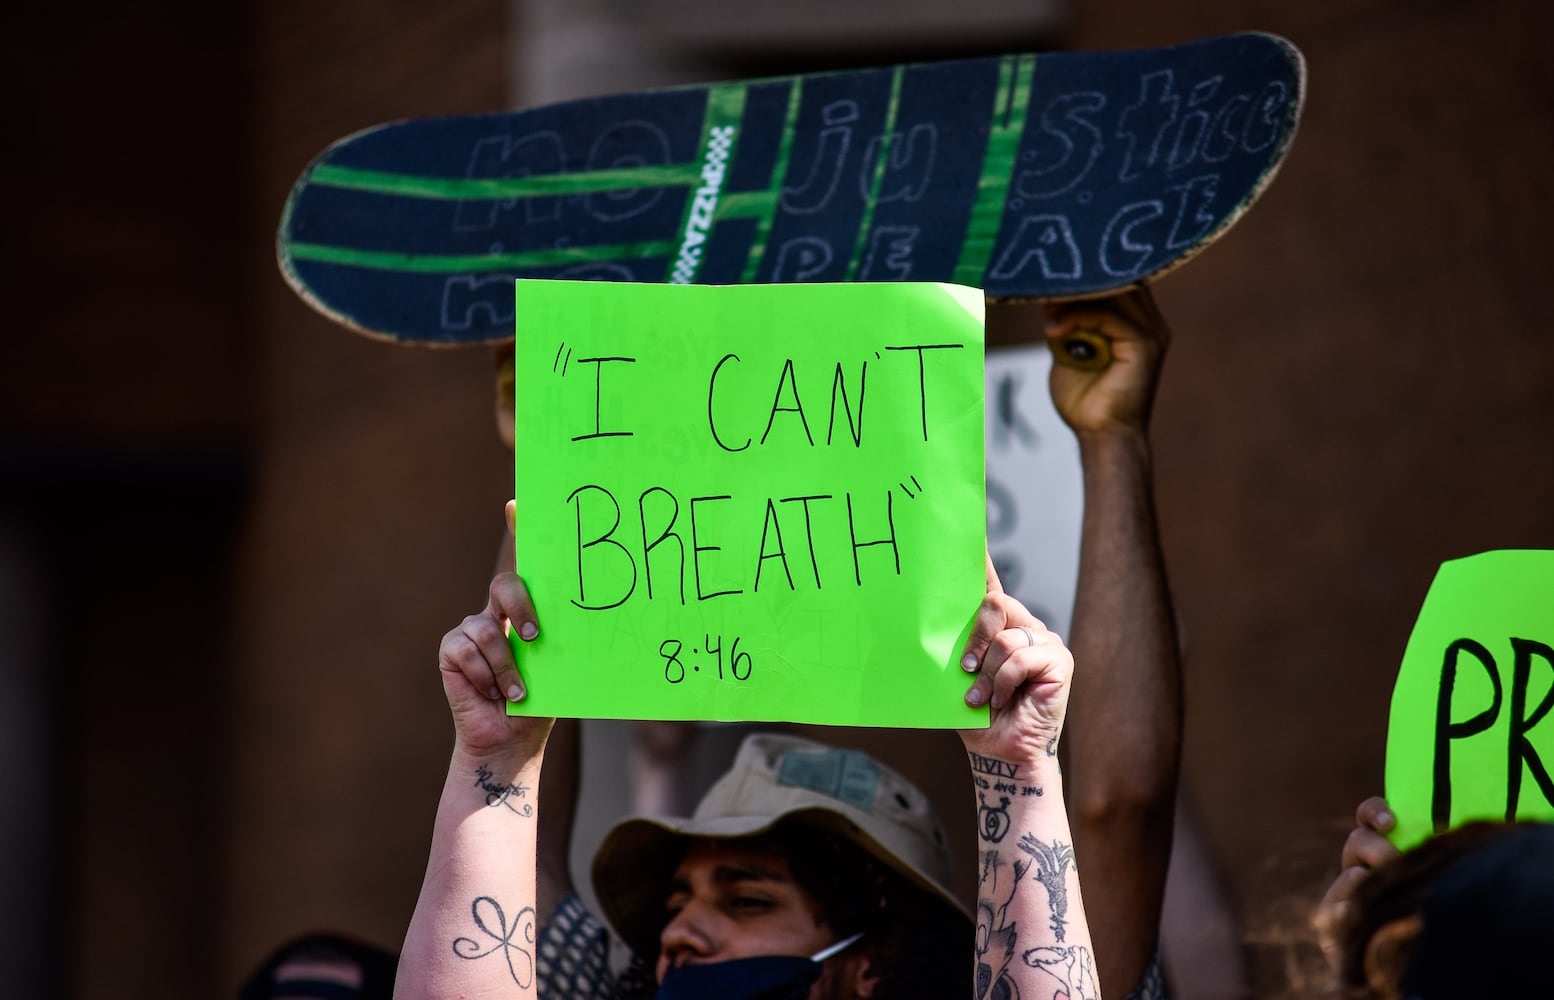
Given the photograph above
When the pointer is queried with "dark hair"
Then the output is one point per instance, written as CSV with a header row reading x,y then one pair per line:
x,y
1484,898
377,965
918,947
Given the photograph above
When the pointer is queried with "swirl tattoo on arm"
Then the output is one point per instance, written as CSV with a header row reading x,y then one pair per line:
x,y
491,922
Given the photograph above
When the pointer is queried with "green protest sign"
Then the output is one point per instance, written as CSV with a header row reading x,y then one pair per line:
x,y
754,502
1470,735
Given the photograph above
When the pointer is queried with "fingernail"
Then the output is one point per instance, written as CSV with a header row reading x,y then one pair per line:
x,y
973,697
995,701
1385,818
528,630
515,693
493,693
968,662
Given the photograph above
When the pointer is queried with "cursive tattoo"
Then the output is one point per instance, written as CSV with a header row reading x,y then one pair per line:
x,y
491,922
503,795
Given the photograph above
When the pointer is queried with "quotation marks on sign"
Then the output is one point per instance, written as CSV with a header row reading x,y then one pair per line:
x,y
563,361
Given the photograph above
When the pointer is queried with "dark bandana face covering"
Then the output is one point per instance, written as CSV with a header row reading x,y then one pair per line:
x,y
765,977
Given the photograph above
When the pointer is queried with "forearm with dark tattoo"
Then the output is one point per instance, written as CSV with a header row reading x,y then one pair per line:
x,y
1013,960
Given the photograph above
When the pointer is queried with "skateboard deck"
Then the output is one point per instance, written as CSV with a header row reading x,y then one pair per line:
x,y
1054,176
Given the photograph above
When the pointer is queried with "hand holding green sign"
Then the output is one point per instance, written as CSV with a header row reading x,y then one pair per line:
x,y
750,502
1471,734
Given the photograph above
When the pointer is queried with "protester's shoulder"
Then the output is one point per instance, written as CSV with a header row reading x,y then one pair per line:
x,y
1152,986
572,955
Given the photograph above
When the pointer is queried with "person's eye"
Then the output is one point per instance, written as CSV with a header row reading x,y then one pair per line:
x,y
750,904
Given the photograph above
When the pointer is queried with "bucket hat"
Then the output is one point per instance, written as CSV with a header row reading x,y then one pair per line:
x,y
776,780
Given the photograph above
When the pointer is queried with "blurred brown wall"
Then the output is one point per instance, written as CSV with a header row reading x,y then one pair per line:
x,y
379,482
1359,388
1362,386
124,422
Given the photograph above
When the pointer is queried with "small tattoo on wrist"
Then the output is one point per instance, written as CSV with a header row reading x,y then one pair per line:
x,y
498,794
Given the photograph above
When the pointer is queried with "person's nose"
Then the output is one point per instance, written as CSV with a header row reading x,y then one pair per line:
x,y
685,937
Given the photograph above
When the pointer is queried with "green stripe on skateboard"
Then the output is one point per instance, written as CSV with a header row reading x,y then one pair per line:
x,y
773,192
464,188
1003,141
881,157
476,263
748,205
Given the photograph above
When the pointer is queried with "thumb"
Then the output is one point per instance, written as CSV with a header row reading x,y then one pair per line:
x,y
993,585
506,560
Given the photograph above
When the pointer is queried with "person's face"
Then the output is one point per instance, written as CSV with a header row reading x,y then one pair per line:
x,y
731,900
505,395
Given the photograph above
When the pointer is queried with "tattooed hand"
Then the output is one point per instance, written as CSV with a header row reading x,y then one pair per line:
x,y
479,675
1023,673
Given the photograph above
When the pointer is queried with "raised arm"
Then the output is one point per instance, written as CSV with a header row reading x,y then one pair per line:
x,y
1124,734
1032,940
563,766
473,931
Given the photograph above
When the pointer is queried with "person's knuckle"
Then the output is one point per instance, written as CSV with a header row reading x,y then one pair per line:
x,y
467,655
483,631
454,645
1355,846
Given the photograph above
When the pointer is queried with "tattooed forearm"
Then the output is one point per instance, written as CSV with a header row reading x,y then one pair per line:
x,y
1071,970
996,939
503,795
492,924
1060,971
1002,779
1052,863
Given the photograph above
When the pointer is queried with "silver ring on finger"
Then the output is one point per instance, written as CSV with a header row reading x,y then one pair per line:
x,y
1030,637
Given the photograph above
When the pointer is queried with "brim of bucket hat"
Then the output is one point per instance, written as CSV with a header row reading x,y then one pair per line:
x,y
636,861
